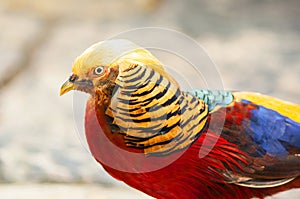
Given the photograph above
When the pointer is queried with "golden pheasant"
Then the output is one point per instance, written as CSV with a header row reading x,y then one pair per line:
x,y
144,130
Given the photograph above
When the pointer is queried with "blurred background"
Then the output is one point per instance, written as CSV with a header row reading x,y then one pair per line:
x,y
254,43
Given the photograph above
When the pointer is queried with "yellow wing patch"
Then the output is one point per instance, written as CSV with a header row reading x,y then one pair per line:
x,y
285,108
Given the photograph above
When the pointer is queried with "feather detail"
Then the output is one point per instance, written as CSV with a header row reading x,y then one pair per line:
x,y
153,114
213,98
284,108
264,183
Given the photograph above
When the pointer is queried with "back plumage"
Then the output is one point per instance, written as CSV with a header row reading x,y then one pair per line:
x,y
267,130
211,144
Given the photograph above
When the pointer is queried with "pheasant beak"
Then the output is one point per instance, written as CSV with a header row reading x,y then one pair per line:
x,y
66,87
74,83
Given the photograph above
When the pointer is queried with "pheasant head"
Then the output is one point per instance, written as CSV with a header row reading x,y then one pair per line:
x,y
101,63
137,95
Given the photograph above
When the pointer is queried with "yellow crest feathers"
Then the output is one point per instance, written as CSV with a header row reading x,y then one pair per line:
x,y
115,52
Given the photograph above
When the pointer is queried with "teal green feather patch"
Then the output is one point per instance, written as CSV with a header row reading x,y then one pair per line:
x,y
213,97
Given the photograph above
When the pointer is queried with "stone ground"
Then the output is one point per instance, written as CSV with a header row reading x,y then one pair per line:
x,y
255,44
64,191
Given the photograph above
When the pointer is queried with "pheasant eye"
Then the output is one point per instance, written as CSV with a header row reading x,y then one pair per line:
x,y
99,70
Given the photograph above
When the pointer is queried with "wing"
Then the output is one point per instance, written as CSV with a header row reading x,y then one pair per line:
x,y
264,128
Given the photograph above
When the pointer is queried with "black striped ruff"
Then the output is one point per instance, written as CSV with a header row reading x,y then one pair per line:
x,y
153,114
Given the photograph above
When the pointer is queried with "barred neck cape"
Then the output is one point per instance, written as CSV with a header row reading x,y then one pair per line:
x,y
153,114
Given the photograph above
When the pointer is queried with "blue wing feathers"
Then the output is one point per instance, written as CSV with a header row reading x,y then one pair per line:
x,y
270,139
273,131
292,135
